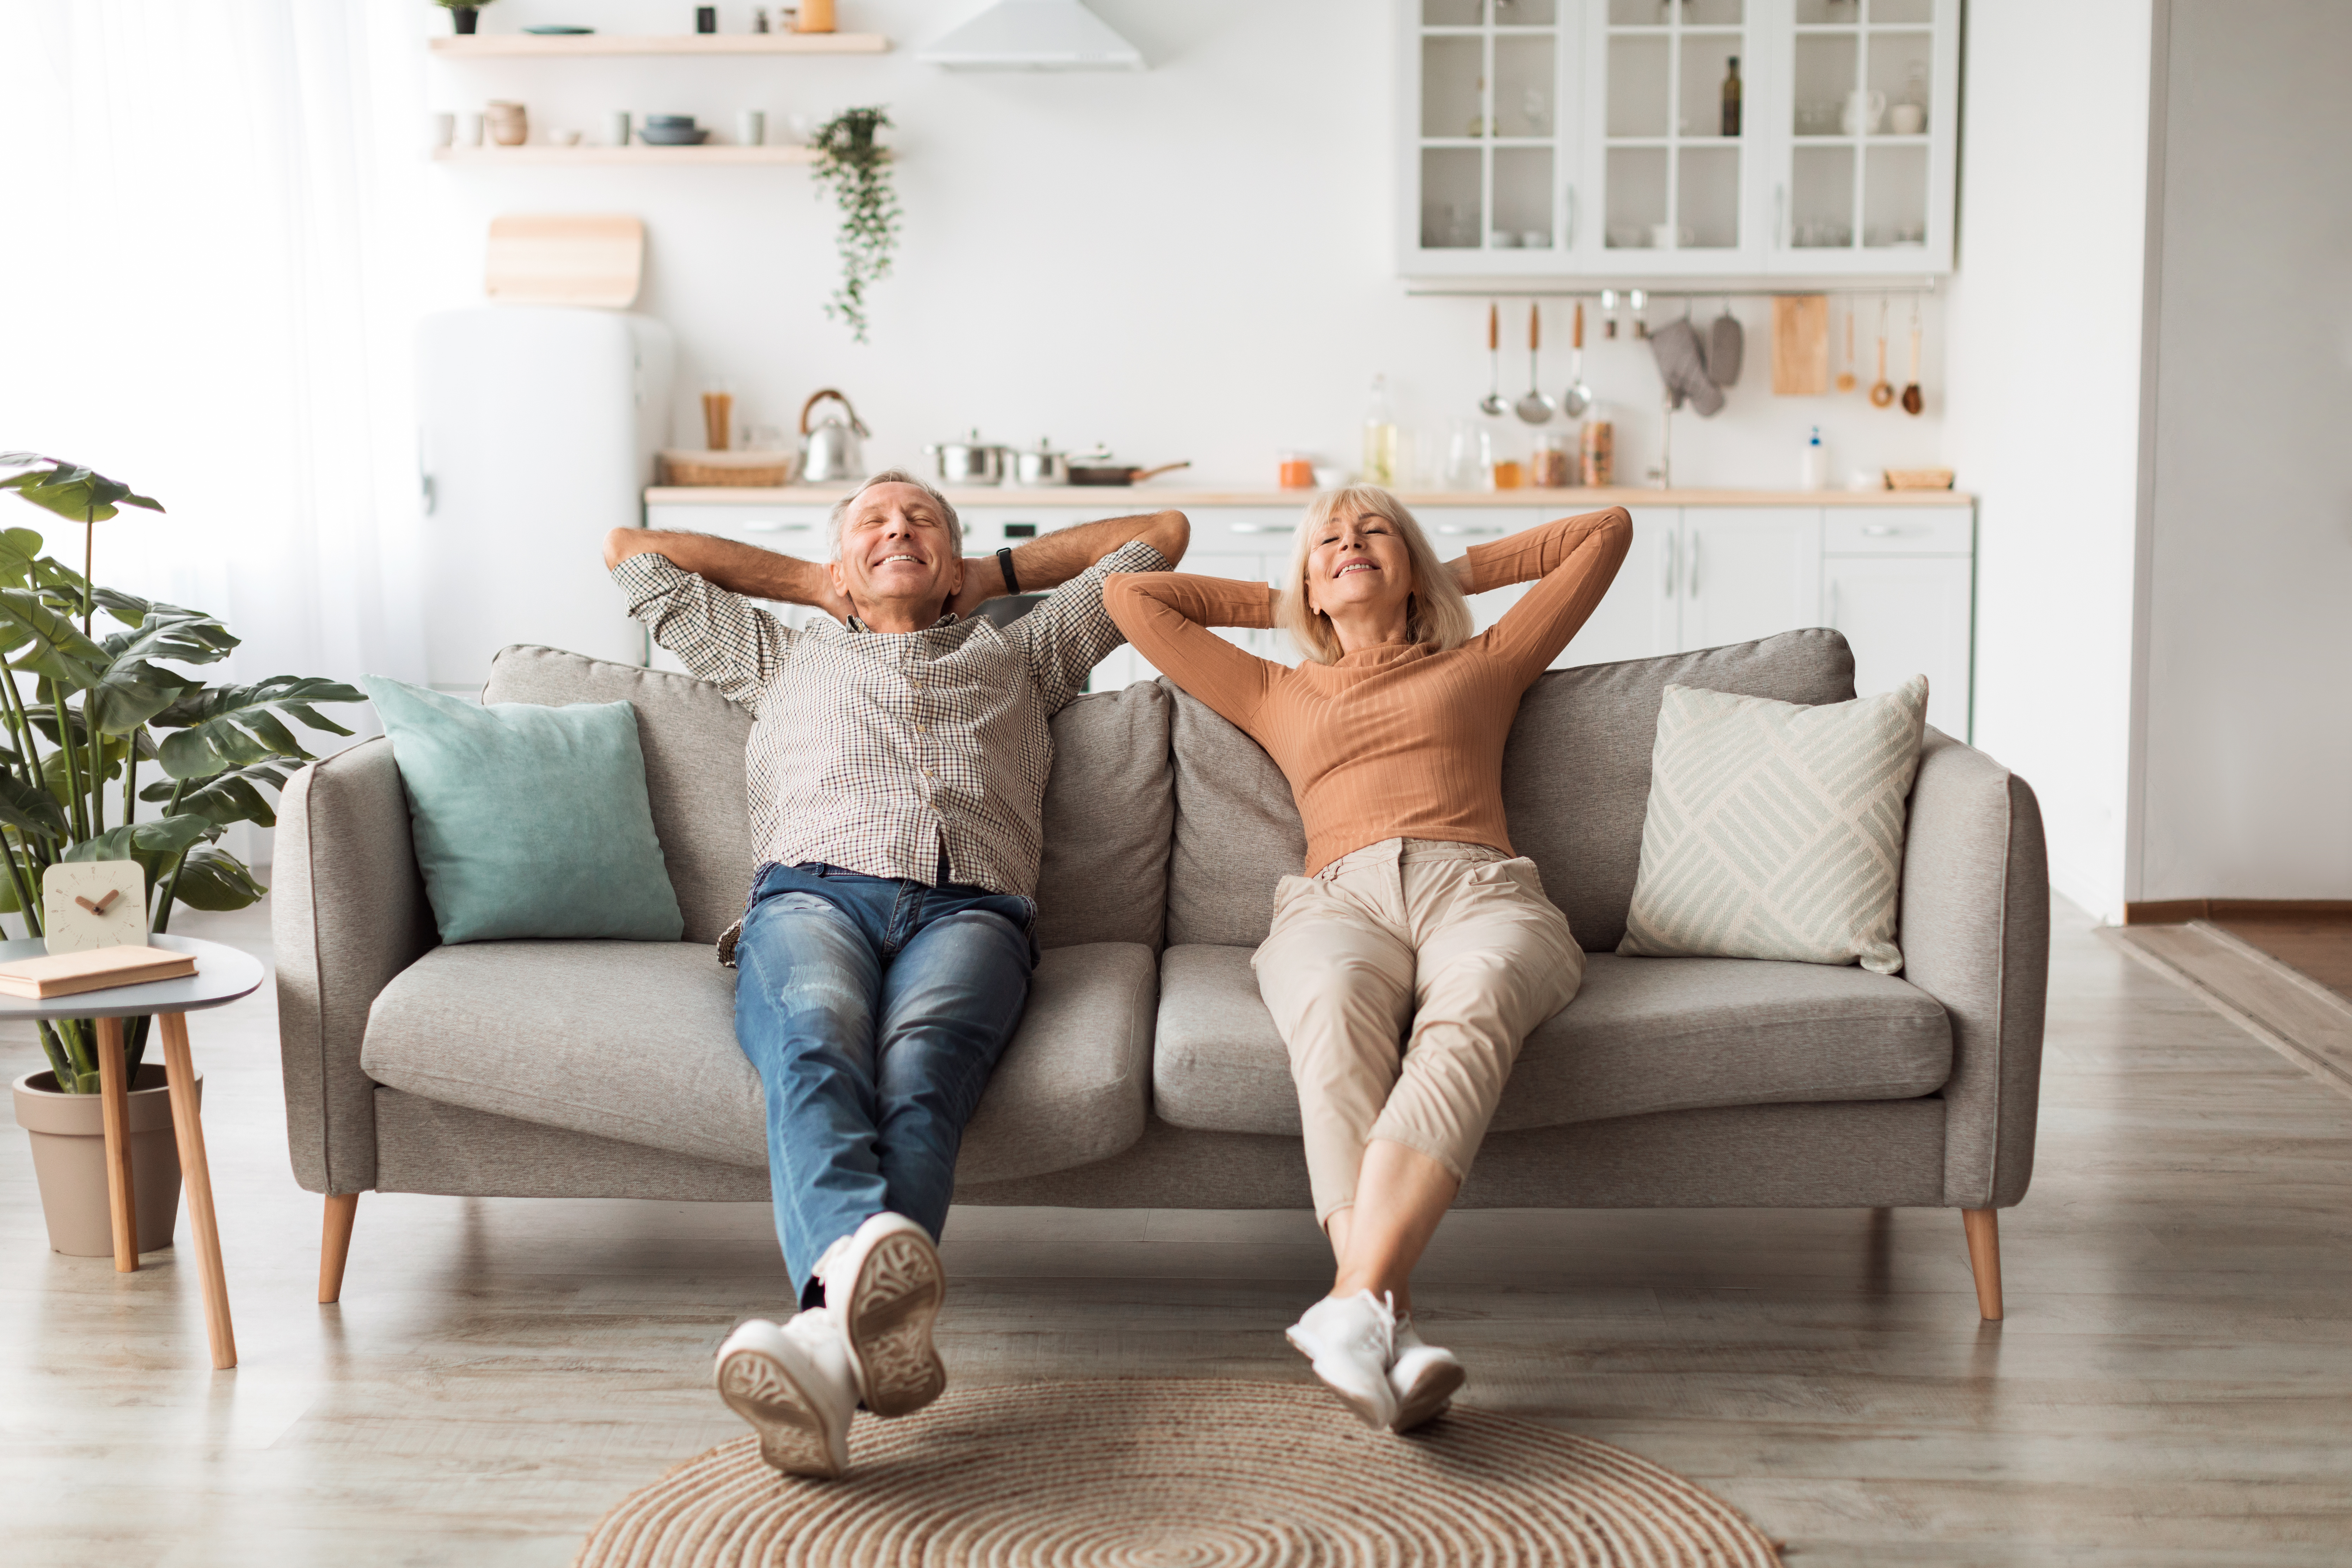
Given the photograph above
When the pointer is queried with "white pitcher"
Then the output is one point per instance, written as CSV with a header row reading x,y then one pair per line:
x,y
1864,108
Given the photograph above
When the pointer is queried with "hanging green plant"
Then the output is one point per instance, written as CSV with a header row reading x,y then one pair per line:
x,y
859,172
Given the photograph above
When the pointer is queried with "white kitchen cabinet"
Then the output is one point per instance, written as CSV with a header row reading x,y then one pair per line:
x,y
1587,138
1748,572
1905,615
1639,617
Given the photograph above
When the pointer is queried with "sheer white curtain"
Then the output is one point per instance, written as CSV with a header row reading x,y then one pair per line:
x,y
205,265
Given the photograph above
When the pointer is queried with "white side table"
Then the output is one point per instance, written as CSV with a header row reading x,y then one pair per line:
x,y
223,975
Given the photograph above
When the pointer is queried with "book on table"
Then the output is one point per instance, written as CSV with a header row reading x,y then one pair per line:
x,y
70,973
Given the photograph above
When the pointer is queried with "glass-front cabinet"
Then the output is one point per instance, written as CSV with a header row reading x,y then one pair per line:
x,y
1678,138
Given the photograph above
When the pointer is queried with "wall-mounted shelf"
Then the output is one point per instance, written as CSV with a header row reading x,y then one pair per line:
x,y
541,156
484,46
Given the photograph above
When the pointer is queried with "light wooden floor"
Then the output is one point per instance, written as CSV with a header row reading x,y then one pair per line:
x,y
2320,947
2173,1386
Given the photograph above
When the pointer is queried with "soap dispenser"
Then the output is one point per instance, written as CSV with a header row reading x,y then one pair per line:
x,y
1813,470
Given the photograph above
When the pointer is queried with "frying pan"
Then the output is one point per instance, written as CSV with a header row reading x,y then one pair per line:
x,y
1098,469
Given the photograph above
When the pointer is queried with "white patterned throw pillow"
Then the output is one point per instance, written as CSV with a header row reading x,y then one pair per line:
x,y
1776,830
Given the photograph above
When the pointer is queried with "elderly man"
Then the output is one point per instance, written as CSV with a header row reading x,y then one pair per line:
x,y
897,766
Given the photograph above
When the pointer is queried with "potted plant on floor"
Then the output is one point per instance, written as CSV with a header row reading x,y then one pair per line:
x,y
83,713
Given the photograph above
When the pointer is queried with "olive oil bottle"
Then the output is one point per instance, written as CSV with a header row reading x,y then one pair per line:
x,y
1731,99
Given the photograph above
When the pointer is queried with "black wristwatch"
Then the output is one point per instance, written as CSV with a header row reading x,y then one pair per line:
x,y
1004,564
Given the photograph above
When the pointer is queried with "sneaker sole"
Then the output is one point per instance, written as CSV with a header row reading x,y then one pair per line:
x,y
893,1303
792,1437
1365,1410
1430,1398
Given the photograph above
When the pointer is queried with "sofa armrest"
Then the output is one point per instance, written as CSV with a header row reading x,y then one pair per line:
x,y
1975,932
348,912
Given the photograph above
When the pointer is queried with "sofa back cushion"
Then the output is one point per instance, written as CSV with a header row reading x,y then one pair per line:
x,y
1109,804
693,740
1576,784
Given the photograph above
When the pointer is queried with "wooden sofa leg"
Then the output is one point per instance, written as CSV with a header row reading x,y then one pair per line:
x,y
335,1243
1983,1227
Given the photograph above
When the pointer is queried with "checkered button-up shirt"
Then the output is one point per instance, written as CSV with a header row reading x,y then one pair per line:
x,y
876,751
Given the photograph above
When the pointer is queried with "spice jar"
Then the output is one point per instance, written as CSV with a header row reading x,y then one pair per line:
x,y
1597,453
1298,471
1552,467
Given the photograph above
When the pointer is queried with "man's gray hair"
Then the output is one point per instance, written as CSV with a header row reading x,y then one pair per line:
x,y
896,477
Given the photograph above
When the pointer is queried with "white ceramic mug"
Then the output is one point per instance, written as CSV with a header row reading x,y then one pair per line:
x,y
617,128
440,130
1863,106
473,136
752,128
1662,237
1907,119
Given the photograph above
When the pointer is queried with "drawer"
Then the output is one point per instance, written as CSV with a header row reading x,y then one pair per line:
x,y
793,530
1264,530
1897,531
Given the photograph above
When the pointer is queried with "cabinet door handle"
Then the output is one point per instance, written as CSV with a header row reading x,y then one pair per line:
x,y
1477,531
1674,557
1257,528
764,526
1567,195
1694,570
1833,603
1882,529
1780,216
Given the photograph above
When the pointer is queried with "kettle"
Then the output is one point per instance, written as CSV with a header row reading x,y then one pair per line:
x,y
829,452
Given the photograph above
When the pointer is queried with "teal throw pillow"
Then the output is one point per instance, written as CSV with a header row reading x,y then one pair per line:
x,y
530,821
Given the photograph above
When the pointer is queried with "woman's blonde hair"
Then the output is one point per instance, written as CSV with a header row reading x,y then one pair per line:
x,y
1437,615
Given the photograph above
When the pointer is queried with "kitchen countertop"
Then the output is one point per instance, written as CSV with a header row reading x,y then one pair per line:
x,y
1145,498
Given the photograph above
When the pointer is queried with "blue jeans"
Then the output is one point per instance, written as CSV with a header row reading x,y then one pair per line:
x,y
874,1008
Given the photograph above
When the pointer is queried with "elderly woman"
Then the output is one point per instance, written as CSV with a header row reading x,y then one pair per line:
x,y
1413,925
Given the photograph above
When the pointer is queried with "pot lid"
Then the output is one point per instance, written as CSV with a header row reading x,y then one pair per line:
x,y
1099,457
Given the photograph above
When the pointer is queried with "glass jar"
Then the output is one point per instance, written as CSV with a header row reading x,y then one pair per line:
x,y
1552,466
1597,454
1298,471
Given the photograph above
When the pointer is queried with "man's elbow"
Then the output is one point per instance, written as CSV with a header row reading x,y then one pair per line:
x,y
620,544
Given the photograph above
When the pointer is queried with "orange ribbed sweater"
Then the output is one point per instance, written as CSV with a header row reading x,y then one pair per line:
x,y
1396,741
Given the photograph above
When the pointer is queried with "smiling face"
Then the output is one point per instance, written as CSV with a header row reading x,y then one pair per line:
x,y
1358,566
895,557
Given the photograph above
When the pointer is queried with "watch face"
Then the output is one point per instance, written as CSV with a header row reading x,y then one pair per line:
x,y
89,904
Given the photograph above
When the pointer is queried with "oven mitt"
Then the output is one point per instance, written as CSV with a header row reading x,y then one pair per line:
x,y
1725,345
1683,369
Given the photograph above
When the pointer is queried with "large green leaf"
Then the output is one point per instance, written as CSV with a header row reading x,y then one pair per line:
x,y
33,812
163,631
227,727
38,639
69,489
19,549
234,796
133,691
155,845
214,878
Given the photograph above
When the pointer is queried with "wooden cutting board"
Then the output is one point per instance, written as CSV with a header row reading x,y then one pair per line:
x,y
541,259
1801,345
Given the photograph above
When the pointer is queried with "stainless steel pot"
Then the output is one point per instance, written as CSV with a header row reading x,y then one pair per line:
x,y
1043,466
971,462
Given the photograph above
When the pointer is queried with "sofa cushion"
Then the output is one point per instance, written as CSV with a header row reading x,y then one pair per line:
x,y
1110,806
1576,782
1644,1035
635,1041
693,742
1109,803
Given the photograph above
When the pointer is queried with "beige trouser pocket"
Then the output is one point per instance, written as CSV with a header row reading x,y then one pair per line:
x,y
1403,991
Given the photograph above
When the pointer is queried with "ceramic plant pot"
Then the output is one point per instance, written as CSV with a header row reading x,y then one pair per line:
x,y
68,1140
465,16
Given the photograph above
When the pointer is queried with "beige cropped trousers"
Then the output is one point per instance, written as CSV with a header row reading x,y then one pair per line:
x,y
1403,978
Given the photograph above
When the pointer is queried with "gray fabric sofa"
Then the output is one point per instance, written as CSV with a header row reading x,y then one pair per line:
x,y
1147,1072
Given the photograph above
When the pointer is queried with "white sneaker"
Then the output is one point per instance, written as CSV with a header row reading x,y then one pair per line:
x,y
793,1385
884,1290
1352,1342
1425,1376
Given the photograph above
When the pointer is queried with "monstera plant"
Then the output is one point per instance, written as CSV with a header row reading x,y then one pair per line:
x,y
83,712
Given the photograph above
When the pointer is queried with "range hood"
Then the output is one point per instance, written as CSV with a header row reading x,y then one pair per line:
x,y
1033,35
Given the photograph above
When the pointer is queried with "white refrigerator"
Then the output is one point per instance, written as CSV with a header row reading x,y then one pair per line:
x,y
537,429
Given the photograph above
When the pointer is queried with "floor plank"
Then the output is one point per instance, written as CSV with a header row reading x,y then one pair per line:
x,y
2169,1388
2319,947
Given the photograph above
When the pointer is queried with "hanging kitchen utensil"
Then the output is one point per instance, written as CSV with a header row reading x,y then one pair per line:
x,y
1845,376
1913,401
1726,346
1639,300
1098,467
1609,304
1801,345
1578,396
1880,394
1492,404
1535,408
830,452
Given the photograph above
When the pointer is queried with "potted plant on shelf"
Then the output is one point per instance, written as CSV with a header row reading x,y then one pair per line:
x,y
81,714
859,170
462,17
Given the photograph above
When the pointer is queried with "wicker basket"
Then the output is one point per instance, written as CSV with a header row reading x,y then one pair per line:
x,y
764,469
1919,479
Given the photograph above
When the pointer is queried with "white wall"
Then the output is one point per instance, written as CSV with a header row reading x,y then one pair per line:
x,y
2248,737
1195,261
2044,388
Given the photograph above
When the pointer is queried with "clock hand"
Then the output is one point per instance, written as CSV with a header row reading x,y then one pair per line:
x,y
104,904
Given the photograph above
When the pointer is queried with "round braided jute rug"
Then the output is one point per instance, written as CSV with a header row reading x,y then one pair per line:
x,y
1172,1473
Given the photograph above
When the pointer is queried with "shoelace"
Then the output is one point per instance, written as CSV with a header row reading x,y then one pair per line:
x,y
1384,1327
